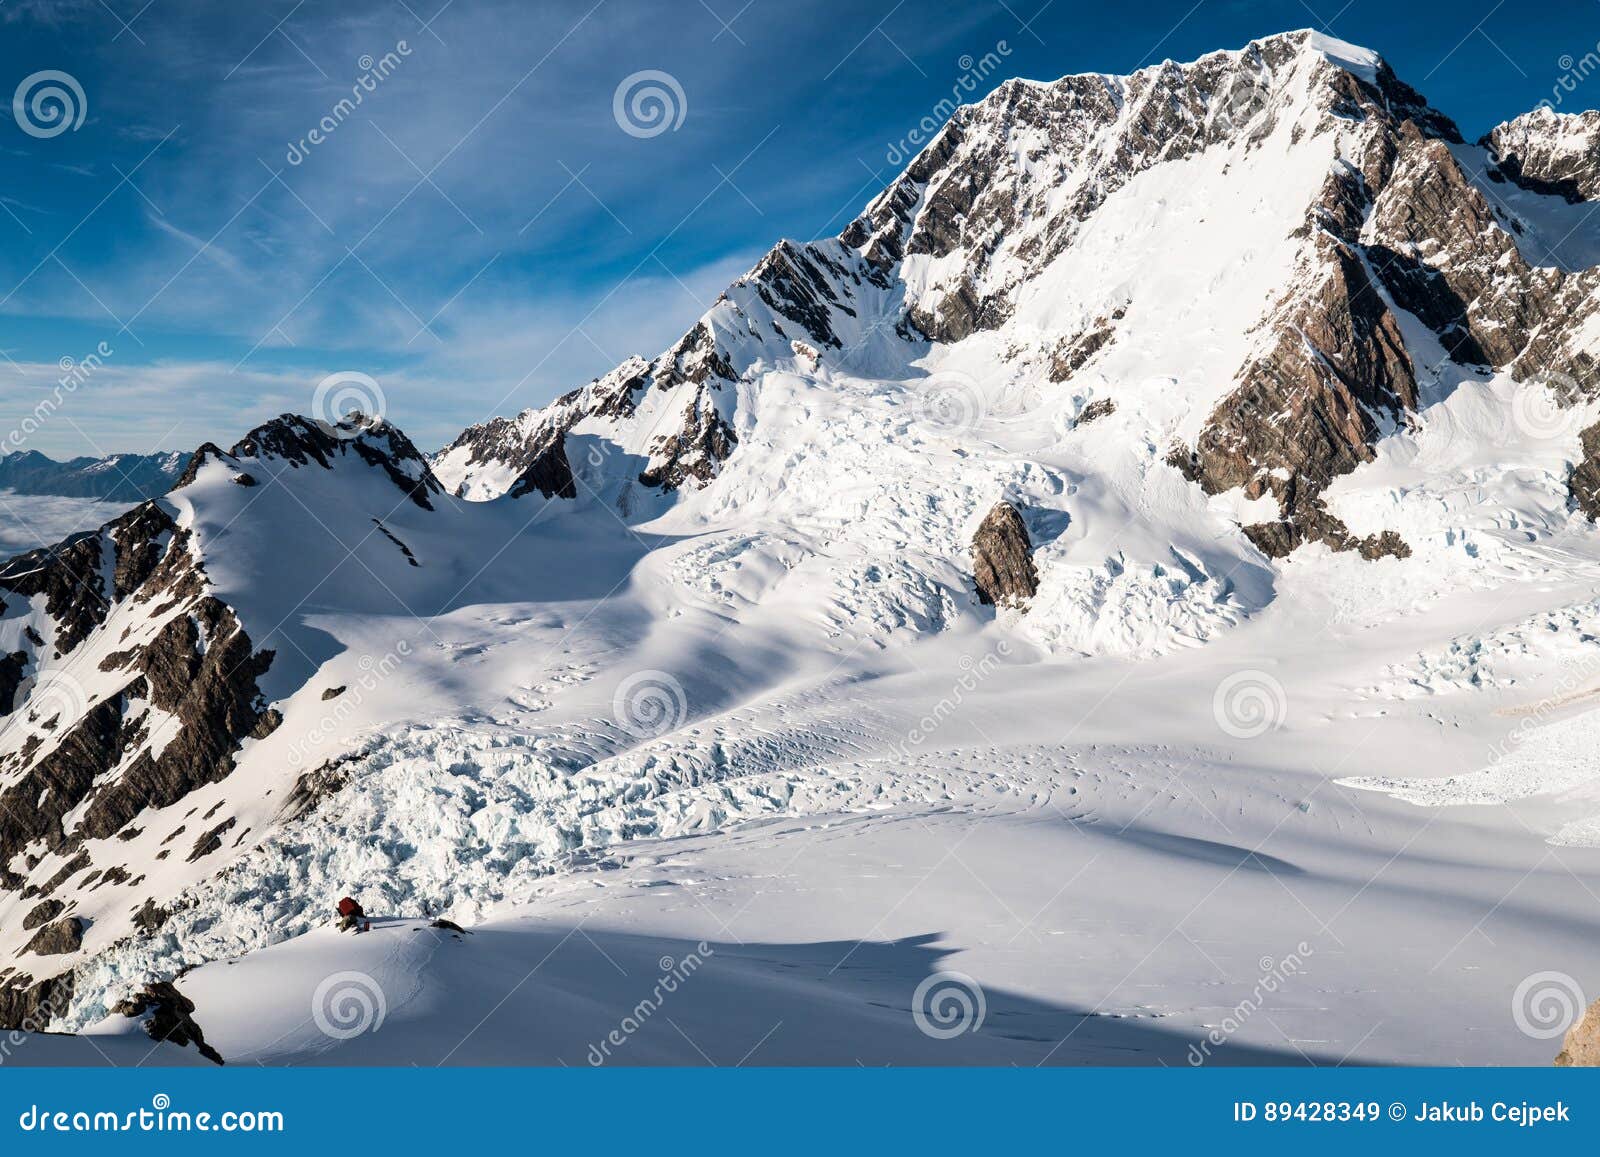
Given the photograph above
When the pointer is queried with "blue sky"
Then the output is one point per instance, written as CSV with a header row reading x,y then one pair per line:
x,y
480,235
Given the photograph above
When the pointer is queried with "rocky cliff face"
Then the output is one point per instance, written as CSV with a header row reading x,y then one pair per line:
x,y
1401,226
133,686
1002,559
1401,229
1550,152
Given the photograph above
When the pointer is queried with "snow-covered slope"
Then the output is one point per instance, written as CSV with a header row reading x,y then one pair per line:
x,y
1155,452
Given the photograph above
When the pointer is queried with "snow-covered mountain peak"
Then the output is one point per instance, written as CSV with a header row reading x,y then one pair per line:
x,y
1550,152
291,441
1115,368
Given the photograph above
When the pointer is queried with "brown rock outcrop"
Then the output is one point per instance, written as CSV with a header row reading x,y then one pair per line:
x,y
168,1016
57,939
1002,559
1581,1046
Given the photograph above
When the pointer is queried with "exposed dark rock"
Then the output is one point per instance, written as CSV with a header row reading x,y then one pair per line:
x,y
168,1016
211,840
1551,153
1099,408
118,874
1071,355
1305,411
65,935
151,917
797,283
207,452
548,471
69,576
333,692
296,442
312,787
71,868
973,191
31,1007
404,549
13,668
695,451
540,455
1002,559
42,912
1583,481
200,668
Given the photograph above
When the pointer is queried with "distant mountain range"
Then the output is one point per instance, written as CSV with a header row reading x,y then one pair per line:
x,y
117,478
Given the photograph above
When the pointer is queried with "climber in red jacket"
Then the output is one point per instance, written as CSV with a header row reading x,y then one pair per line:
x,y
351,916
